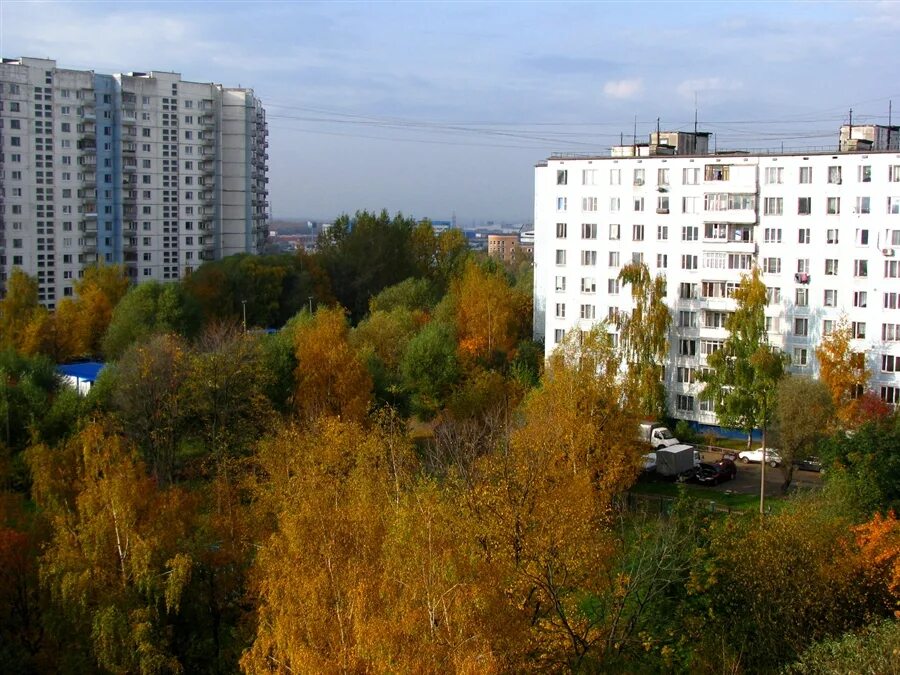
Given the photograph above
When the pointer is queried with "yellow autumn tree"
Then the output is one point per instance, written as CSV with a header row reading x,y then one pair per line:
x,y
879,543
541,506
17,308
330,375
488,312
317,576
843,371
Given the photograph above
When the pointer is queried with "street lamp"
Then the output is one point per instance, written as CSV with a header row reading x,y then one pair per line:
x,y
244,308
310,303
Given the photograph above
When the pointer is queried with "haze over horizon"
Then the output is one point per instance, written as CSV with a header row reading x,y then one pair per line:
x,y
439,108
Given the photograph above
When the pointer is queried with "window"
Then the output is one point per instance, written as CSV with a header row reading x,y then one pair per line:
x,y
637,258
859,329
560,310
588,312
801,326
589,204
831,236
831,266
801,356
561,229
687,319
894,173
860,268
589,257
773,324
615,176
716,172
637,233
890,332
864,173
614,231
662,204
558,335
773,206
589,230
827,327
662,232
561,203
562,176
684,403
715,260
687,291
801,297
773,295
690,176
690,204
834,175
772,265
830,298
740,261
589,176
804,206
891,269
638,204
687,347
685,375
772,235
612,286
890,395
892,300
662,176
893,206
806,174
560,256
560,284
613,258
860,298
862,237
803,235
638,176
774,175
662,260
863,205
588,285
688,262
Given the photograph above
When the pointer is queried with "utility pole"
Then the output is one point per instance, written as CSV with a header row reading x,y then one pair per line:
x,y
244,309
310,303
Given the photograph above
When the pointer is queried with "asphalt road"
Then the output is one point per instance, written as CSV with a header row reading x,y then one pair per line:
x,y
747,479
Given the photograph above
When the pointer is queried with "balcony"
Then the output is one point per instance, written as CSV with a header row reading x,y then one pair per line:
x,y
87,258
205,225
208,140
801,277
88,129
88,160
206,211
129,167
130,226
129,243
130,197
129,101
129,212
90,210
89,178
129,148
86,226
88,113
207,120
207,197
207,255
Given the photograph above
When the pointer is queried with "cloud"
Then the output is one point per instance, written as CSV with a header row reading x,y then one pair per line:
x,y
623,88
688,88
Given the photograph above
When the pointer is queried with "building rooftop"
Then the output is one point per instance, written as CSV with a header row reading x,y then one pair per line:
x,y
87,371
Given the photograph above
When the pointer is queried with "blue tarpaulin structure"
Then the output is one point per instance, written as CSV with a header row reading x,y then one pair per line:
x,y
81,375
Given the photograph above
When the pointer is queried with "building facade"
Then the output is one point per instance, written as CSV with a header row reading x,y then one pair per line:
x,y
506,246
823,228
140,169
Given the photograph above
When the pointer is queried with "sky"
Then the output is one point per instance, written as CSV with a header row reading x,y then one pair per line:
x,y
439,109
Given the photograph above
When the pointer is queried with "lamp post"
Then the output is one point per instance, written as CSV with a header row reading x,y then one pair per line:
x,y
244,308
310,303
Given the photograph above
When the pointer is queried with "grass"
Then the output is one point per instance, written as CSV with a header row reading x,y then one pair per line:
x,y
736,502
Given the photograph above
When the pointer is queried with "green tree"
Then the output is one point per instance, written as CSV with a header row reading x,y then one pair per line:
x,y
430,368
644,335
745,372
803,415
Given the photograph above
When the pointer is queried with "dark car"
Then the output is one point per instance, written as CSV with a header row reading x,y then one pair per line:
x,y
808,464
715,473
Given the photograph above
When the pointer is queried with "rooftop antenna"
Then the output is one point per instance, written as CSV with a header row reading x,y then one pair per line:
x,y
634,137
657,131
889,124
695,113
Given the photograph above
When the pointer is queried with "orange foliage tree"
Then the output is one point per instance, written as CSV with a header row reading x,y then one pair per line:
x,y
879,544
843,371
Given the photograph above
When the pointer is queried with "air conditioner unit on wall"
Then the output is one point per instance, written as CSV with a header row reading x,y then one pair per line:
x,y
889,252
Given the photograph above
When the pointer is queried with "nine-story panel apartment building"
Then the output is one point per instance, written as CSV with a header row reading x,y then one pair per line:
x,y
141,169
823,228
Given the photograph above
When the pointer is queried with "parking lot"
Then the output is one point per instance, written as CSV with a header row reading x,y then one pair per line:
x,y
747,479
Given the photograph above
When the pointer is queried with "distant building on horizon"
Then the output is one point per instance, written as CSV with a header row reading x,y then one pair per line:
x,y
141,169
507,246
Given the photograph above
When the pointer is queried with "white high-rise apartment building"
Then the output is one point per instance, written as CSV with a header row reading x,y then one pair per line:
x,y
140,169
824,229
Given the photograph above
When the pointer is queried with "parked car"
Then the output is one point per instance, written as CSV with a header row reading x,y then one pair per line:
x,y
649,461
773,457
713,473
808,464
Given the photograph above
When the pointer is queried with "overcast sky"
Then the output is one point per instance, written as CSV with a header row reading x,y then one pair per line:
x,y
433,108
